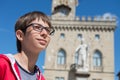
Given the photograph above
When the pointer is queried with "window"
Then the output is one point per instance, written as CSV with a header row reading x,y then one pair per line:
x,y
97,37
59,78
61,57
63,12
97,58
62,35
76,57
79,36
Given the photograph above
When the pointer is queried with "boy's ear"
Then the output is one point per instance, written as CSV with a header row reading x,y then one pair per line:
x,y
19,35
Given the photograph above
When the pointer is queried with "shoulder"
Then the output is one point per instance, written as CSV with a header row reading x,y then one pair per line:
x,y
4,60
4,64
6,71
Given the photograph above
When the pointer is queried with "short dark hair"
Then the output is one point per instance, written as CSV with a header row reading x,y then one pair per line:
x,y
26,19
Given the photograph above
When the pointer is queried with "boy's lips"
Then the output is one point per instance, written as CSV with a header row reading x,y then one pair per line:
x,y
42,41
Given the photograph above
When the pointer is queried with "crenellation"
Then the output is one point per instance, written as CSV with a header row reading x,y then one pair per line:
x,y
114,18
83,18
89,18
77,18
96,18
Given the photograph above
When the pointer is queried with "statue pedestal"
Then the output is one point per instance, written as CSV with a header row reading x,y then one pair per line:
x,y
82,69
82,72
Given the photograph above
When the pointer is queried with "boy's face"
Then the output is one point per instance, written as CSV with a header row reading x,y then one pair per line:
x,y
35,40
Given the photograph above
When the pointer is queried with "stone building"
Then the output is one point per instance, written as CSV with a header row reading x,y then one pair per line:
x,y
82,47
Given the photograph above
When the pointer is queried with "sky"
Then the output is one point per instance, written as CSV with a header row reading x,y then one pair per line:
x,y
11,10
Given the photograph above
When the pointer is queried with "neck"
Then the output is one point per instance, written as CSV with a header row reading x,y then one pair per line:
x,y
27,60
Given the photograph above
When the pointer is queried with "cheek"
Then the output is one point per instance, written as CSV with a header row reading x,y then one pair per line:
x,y
49,38
30,37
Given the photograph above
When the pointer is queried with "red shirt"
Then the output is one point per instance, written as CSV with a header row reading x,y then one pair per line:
x,y
9,69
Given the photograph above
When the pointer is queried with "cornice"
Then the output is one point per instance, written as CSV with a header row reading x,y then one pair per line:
x,y
86,25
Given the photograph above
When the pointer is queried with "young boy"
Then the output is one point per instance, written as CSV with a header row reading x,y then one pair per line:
x,y
33,32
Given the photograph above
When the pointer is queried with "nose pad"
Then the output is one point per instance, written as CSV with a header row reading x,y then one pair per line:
x,y
44,30
44,33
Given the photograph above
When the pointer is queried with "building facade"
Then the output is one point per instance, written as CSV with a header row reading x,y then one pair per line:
x,y
82,47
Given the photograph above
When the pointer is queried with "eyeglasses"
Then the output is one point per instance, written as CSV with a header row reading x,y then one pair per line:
x,y
39,28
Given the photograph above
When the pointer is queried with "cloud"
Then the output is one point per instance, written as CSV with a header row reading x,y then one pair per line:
x,y
108,16
118,22
111,16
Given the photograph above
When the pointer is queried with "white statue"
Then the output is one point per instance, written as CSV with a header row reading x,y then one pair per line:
x,y
82,50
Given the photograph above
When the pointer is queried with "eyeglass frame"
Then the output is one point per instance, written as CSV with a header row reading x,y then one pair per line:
x,y
49,30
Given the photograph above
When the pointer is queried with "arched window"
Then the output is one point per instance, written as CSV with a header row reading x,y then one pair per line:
x,y
97,58
61,57
76,57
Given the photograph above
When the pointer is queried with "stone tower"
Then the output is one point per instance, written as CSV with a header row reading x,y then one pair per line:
x,y
64,9
82,48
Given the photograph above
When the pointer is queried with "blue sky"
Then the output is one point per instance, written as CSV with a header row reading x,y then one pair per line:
x,y
11,10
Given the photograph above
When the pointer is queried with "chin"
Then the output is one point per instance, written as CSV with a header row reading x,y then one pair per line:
x,y
42,47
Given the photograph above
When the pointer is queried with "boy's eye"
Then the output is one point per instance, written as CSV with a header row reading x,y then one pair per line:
x,y
37,27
